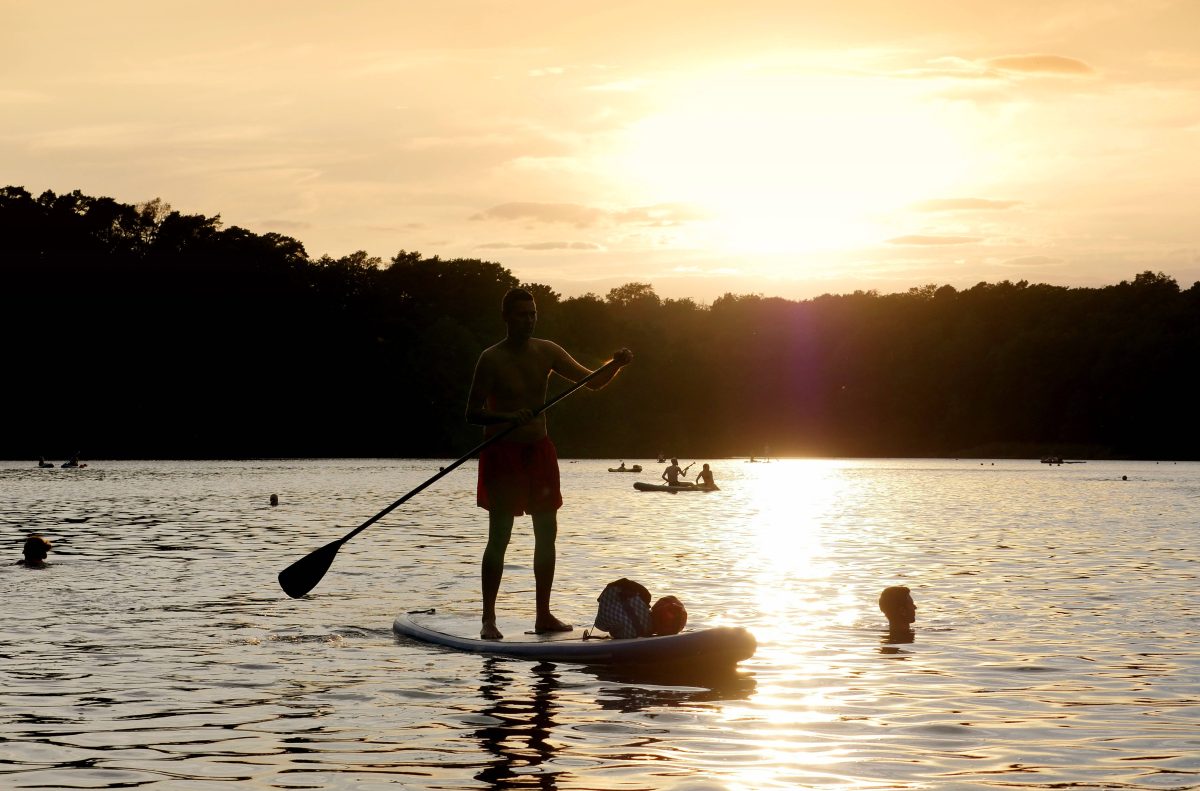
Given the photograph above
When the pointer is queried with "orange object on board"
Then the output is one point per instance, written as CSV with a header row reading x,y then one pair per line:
x,y
668,615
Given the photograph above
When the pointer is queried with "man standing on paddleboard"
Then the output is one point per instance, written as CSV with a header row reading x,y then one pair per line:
x,y
518,475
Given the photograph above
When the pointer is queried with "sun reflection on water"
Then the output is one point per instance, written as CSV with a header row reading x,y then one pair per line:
x,y
1054,645
793,503
794,567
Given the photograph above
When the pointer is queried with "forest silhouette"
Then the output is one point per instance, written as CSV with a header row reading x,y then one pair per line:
x,y
140,332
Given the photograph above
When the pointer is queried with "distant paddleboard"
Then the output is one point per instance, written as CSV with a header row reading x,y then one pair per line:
x,y
666,487
721,646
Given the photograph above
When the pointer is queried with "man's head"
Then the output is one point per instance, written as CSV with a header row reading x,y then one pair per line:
x,y
675,462
896,603
36,548
519,312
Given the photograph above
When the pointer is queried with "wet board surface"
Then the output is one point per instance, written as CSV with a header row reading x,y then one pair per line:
x,y
715,647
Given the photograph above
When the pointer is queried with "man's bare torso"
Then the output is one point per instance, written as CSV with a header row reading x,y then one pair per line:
x,y
517,379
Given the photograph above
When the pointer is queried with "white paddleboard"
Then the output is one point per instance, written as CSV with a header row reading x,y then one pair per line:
x,y
721,646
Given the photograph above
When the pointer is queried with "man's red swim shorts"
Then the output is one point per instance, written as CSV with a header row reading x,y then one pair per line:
x,y
519,477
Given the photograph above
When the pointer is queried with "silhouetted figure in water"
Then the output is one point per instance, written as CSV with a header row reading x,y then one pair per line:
x,y
518,474
43,463
35,550
274,499
897,604
672,472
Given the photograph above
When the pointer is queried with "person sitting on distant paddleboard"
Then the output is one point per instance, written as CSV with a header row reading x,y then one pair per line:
x,y
897,604
705,478
672,472
518,475
35,550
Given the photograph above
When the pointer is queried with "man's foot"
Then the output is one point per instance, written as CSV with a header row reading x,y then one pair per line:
x,y
489,631
550,624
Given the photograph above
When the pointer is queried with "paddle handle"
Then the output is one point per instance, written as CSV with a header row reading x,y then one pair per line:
x,y
473,451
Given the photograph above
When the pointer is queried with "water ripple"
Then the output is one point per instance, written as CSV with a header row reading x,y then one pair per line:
x,y
1055,644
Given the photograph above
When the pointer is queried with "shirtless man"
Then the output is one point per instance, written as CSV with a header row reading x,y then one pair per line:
x,y
518,475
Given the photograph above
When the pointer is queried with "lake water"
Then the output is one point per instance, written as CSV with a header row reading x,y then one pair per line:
x,y
1057,642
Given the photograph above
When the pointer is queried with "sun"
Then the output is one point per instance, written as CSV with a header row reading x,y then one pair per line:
x,y
792,163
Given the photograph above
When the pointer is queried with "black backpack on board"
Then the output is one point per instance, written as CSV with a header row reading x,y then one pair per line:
x,y
624,610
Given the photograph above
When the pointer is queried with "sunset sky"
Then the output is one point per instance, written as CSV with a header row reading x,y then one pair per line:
x,y
788,148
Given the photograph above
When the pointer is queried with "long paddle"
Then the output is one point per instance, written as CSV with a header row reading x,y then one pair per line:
x,y
304,575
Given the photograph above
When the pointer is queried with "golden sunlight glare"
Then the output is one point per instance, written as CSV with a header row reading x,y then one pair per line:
x,y
794,164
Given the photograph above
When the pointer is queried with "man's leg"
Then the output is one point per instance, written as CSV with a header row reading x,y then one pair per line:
x,y
500,525
545,532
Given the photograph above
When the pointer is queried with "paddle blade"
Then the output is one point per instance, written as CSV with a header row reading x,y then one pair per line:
x,y
303,575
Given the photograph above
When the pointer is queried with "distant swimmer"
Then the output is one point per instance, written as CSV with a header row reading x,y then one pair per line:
x,y
35,550
897,604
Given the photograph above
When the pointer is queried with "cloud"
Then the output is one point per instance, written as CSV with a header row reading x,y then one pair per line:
x,y
1184,255
620,86
286,225
94,137
658,215
1033,260
950,67
396,227
661,214
1040,64
1000,68
9,96
923,240
571,213
964,204
713,271
541,246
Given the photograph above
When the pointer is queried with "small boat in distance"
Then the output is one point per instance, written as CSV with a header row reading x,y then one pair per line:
x,y
1059,460
623,468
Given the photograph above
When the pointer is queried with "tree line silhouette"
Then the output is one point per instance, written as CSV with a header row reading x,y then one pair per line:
x,y
140,332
